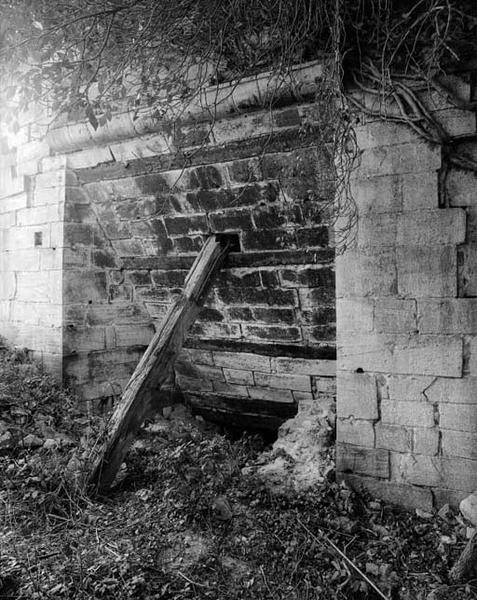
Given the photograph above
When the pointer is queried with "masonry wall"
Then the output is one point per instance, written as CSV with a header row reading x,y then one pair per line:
x,y
407,333
32,198
265,340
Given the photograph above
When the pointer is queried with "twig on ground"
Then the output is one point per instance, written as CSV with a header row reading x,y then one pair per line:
x,y
343,556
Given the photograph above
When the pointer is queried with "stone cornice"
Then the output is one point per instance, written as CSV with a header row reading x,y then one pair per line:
x,y
209,104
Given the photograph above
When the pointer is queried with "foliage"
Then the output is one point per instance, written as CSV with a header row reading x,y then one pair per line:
x,y
88,57
189,521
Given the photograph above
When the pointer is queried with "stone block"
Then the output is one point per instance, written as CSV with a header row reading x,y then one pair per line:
x,y
37,314
404,496
431,227
83,339
384,133
230,389
303,366
420,191
435,471
271,394
378,194
212,330
407,413
408,387
376,230
393,437
453,391
16,202
272,334
39,215
290,382
356,396
39,286
401,158
242,360
355,315
231,220
238,376
428,355
427,271
364,461
459,417
134,335
393,315
448,315
41,197
467,270
459,443
355,431
322,276
425,441
84,286
366,273
26,260
366,352
460,187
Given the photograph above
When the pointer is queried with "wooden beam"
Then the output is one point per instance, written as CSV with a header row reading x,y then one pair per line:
x,y
154,367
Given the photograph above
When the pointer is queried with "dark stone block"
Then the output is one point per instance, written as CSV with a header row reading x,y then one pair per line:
x,y
139,277
325,351
104,258
188,245
152,184
187,224
206,177
78,234
209,200
270,217
324,277
238,220
292,334
227,277
169,278
245,171
120,292
312,238
268,239
287,118
256,296
210,315
78,213
241,314
270,279
275,315
321,315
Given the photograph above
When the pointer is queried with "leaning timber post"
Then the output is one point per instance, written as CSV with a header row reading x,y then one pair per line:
x,y
155,365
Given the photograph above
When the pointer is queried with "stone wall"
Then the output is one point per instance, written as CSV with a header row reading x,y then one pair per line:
x,y
31,243
407,333
265,339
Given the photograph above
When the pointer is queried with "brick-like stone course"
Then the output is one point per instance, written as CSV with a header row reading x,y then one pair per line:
x,y
140,227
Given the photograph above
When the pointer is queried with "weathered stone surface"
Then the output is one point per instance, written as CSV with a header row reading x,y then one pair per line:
x,y
357,396
355,431
393,315
407,496
453,391
459,443
364,461
468,508
426,272
407,413
393,437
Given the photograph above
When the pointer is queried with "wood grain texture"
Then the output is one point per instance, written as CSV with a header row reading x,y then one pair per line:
x,y
155,365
